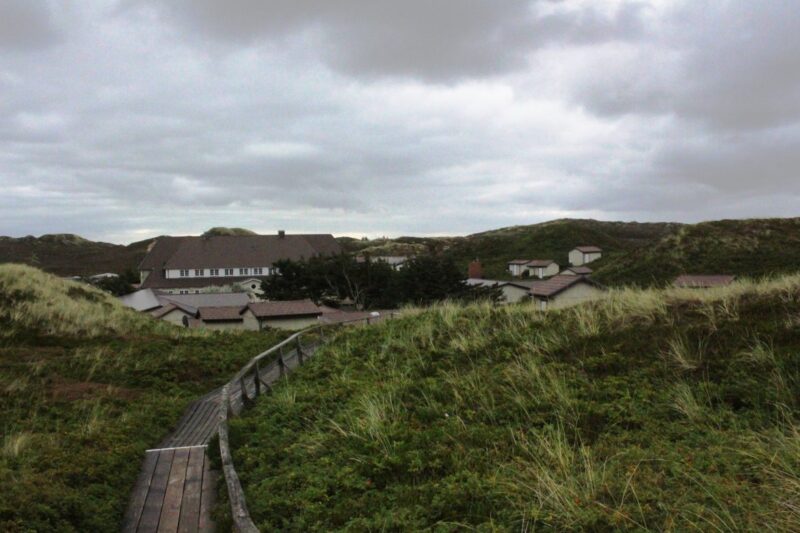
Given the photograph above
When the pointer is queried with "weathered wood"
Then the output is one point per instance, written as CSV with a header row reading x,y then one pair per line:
x,y
155,496
207,499
281,364
142,487
240,515
299,351
192,491
171,508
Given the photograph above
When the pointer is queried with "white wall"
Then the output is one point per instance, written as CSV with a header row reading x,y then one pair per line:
x,y
512,294
176,273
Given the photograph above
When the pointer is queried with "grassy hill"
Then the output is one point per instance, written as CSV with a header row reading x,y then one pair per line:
x,y
71,255
548,240
645,411
86,386
754,248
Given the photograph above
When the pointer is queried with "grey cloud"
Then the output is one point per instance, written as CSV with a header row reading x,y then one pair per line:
x,y
435,41
26,25
726,65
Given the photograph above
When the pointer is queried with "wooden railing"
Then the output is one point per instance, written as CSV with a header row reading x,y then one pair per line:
x,y
256,378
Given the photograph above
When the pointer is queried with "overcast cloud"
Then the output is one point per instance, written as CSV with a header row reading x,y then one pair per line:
x,y
121,120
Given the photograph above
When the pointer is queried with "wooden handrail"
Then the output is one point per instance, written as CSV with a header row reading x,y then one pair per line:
x,y
241,516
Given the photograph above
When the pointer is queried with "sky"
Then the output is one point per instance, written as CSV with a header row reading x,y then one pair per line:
x,y
125,119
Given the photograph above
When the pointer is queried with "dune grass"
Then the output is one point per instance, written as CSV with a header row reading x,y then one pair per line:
x,y
648,410
85,387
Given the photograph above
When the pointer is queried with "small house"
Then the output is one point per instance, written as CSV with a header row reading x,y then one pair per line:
x,y
290,314
576,271
581,255
517,266
541,268
563,291
513,291
703,281
221,317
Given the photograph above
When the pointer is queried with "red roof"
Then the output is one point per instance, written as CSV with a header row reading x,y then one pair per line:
x,y
284,308
703,281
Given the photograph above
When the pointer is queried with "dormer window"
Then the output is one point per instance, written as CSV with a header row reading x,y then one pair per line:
x,y
229,272
243,271
184,273
199,272
214,272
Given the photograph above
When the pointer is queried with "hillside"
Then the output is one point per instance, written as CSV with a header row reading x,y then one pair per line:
x,y
86,386
646,411
547,240
753,248
71,255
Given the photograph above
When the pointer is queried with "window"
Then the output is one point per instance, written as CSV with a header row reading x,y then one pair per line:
x,y
214,272
243,271
229,272
199,272
183,292
258,271
184,273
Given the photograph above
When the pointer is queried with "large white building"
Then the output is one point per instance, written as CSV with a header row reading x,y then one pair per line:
x,y
225,263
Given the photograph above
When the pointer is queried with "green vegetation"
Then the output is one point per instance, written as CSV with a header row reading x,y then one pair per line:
x,y
85,387
648,410
750,248
220,231
372,284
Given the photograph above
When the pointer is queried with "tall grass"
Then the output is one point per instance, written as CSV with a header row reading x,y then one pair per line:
x,y
35,303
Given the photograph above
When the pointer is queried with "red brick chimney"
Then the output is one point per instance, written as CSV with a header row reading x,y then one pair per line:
x,y
475,270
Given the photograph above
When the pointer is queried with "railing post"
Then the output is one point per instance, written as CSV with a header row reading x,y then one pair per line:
x,y
243,385
281,364
321,333
299,350
257,379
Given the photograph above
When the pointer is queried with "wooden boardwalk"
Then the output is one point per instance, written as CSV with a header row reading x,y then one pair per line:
x,y
176,488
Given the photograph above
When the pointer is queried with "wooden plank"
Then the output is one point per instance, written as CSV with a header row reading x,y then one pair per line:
x,y
207,498
180,427
171,509
136,504
187,435
155,496
192,491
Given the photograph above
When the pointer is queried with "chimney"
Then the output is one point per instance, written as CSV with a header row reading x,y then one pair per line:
x,y
475,270
281,234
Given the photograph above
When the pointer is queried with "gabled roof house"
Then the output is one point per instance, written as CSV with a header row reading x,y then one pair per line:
x,y
580,255
563,291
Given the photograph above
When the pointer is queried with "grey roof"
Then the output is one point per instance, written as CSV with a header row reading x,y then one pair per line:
x,y
143,300
580,270
539,262
589,249
551,287
222,299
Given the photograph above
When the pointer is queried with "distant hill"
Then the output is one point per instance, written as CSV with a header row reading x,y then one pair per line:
x,y
634,253
71,255
753,248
